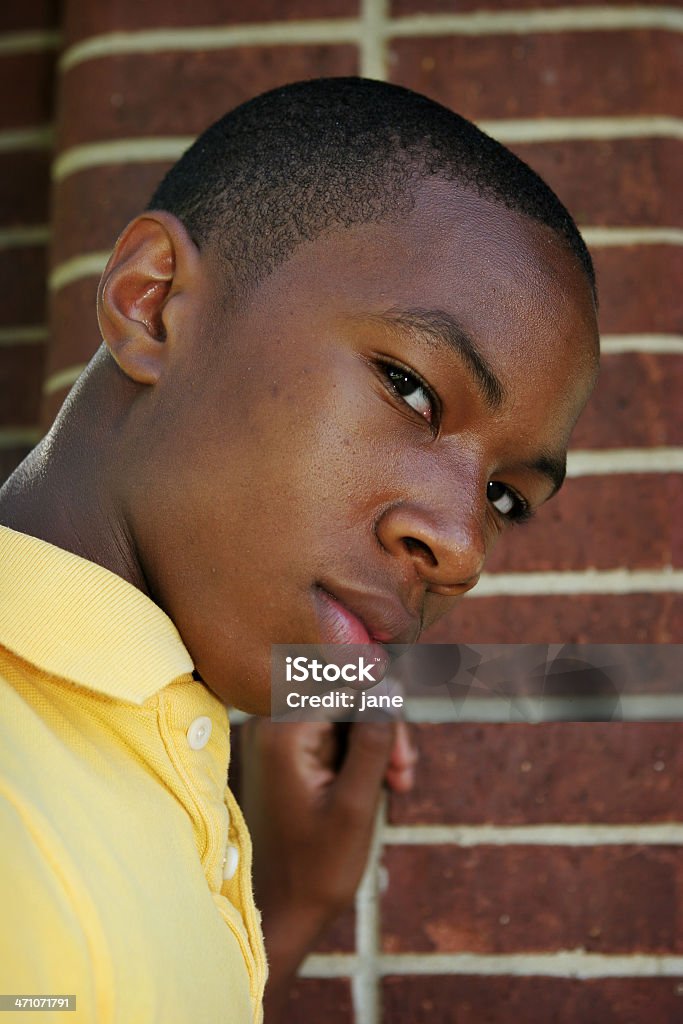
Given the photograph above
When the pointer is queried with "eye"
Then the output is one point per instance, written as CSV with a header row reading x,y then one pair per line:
x,y
507,502
411,389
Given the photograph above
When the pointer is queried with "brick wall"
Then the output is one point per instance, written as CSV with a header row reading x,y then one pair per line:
x,y
29,38
536,872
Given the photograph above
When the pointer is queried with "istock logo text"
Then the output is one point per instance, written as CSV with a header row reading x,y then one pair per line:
x,y
301,669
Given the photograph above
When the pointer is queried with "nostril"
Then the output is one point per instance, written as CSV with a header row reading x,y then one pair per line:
x,y
415,546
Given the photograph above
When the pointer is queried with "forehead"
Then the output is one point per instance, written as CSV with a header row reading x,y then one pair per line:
x,y
510,282
454,248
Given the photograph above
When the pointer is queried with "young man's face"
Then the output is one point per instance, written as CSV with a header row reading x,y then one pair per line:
x,y
353,444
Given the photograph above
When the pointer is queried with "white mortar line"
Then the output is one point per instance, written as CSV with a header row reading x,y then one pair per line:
x,y
587,581
17,437
611,236
63,378
23,335
24,236
28,42
40,137
664,344
120,151
562,19
212,37
339,30
669,834
563,129
533,710
329,965
373,39
364,986
607,462
574,963
88,264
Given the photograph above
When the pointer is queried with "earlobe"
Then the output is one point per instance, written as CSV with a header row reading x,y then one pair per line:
x,y
134,292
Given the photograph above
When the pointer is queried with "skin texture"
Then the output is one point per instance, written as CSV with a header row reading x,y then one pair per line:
x,y
241,460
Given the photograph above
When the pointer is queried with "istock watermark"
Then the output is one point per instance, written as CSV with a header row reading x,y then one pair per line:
x,y
339,682
302,669
478,682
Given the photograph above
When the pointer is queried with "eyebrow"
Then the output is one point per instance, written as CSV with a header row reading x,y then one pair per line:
x,y
444,327
438,325
552,466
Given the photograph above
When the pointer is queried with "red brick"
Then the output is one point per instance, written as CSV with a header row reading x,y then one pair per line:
x,y
21,368
10,459
340,936
639,288
635,404
129,95
93,206
576,618
29,14
613,181
93,19
485,999
562,772
518,899
22,272
319,999
75,336
557,74
626,520
24,187
676,492
26,89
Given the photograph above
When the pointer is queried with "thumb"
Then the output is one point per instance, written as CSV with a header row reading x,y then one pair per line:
x,y
401,768
362,772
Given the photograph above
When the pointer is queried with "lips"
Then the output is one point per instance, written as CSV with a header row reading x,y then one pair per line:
x,y
338,624
355,616
340,627
349,616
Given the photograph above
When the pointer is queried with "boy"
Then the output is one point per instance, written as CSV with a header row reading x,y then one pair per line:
x,y
343,351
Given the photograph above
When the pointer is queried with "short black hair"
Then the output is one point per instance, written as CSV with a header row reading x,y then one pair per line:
x,y
331,153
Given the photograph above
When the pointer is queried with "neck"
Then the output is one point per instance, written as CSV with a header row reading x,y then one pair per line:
x,y
64,492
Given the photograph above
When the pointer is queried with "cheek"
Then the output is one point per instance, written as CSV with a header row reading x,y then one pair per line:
x,y
321,425
294,454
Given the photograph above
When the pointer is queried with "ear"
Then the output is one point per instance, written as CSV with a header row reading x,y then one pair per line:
x,y
154,261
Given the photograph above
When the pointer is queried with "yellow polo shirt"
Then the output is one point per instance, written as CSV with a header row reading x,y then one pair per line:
x,y
125,864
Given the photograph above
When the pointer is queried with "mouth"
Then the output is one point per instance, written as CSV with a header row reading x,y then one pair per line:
x,y
340,625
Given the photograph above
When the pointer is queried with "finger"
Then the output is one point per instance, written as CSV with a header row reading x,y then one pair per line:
x,y
404,752
400,774
301,752
367,757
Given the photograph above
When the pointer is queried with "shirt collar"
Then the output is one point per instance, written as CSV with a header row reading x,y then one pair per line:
x,y
75,619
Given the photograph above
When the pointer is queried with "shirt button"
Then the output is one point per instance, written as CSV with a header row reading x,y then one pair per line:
x,y
230,862
199,732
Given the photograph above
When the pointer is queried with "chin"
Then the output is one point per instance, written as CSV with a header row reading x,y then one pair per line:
x,y
251,694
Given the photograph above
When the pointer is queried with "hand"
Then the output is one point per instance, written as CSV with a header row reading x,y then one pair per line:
x,y
311,825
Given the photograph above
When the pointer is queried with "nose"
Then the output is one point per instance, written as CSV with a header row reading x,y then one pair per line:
x,y
446,551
